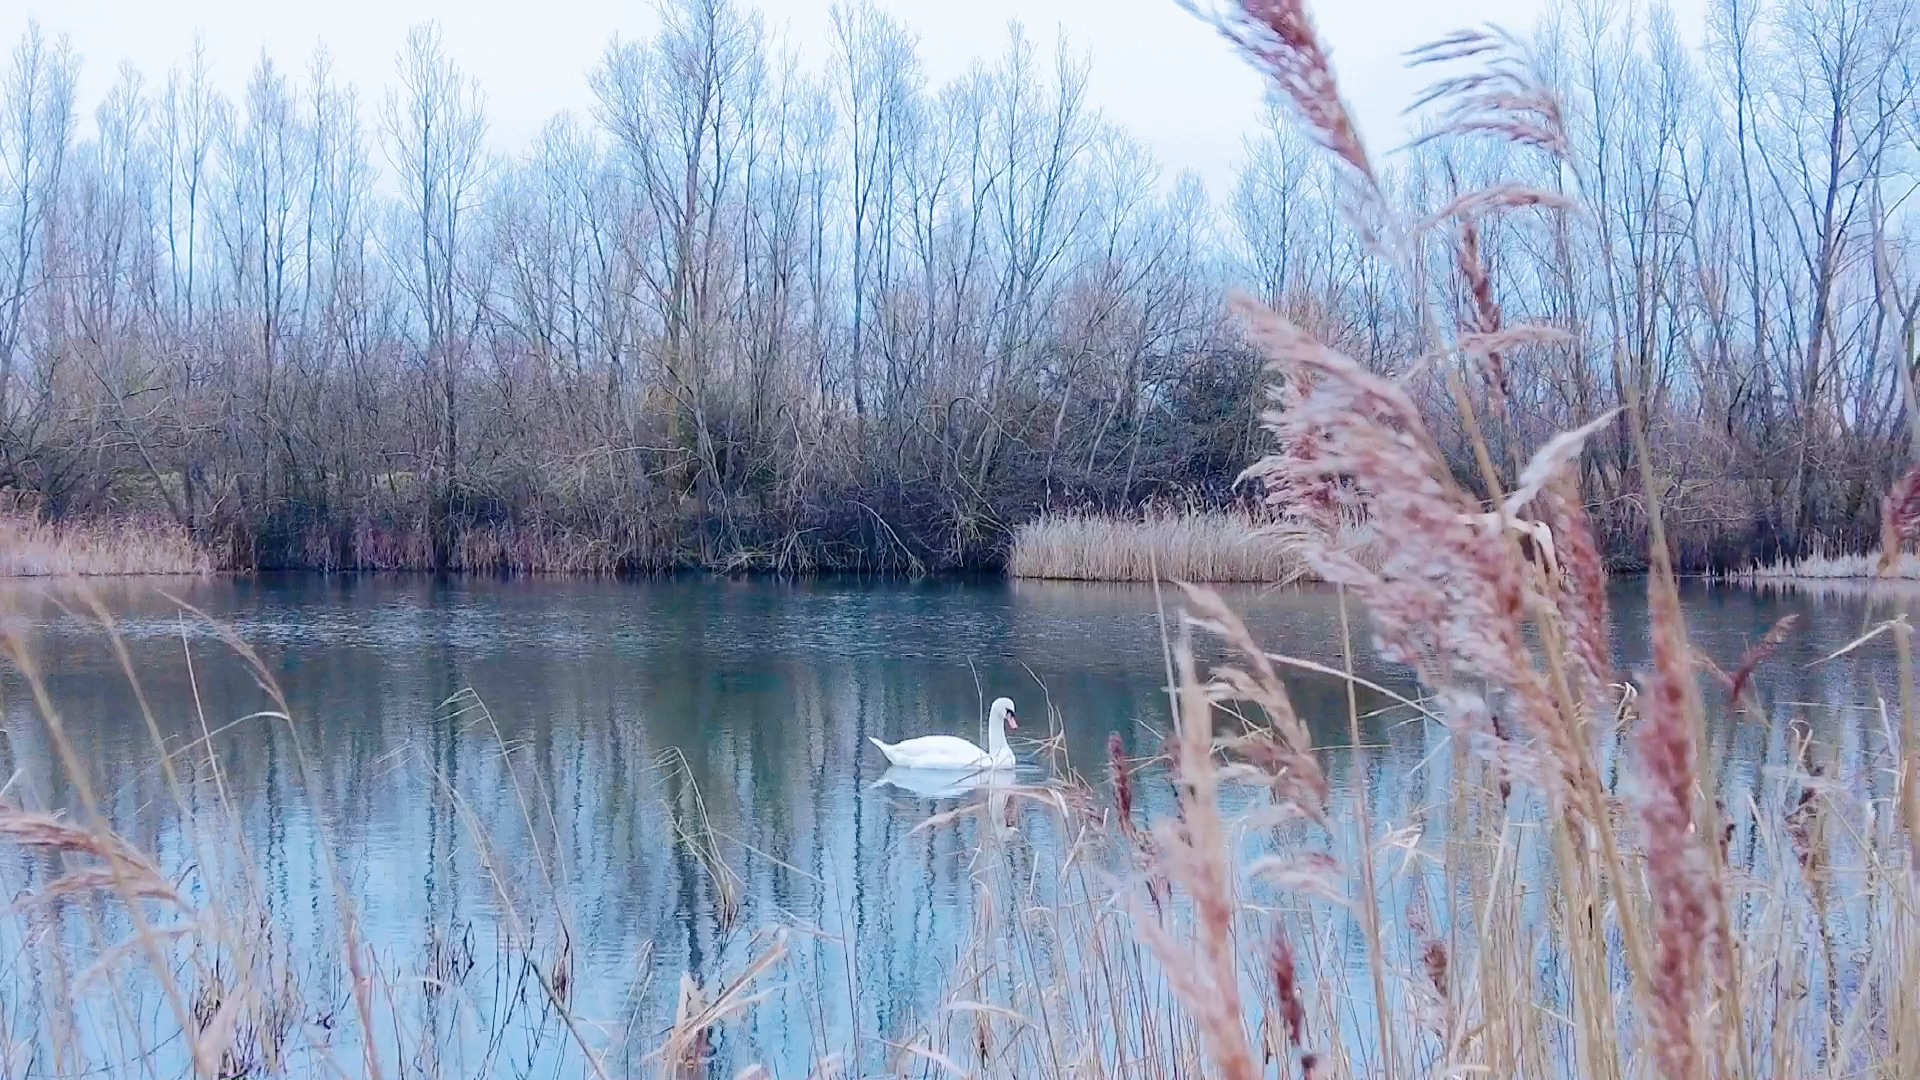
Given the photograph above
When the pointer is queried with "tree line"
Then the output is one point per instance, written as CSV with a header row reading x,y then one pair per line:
x,y
754,315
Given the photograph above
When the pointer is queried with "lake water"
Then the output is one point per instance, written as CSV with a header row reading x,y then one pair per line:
x,y
598,736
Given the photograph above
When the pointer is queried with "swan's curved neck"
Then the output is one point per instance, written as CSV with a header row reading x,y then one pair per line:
x,y
997,734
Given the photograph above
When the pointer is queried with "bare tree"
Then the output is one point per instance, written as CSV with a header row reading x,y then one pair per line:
x,y
36,128
435,124
756,314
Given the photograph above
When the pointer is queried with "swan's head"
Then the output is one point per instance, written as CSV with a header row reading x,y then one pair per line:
x,y
1003,713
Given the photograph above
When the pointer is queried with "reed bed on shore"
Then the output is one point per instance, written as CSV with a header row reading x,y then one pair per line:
x,y
31,546
1201,546
1894,561
1867,567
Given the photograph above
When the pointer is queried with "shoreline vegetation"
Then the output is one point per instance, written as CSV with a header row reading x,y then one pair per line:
x,y
1584,897
1216,547
1820,566
33,547
1200,546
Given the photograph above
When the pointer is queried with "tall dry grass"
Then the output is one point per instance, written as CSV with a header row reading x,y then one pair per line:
x,y
1899,531
32,546
1820,566
1202,546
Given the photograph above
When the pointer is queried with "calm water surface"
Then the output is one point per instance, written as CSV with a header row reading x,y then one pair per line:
x,y
586,729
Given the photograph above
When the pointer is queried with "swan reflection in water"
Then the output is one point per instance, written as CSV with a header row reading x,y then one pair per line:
x,y
945,783
993,787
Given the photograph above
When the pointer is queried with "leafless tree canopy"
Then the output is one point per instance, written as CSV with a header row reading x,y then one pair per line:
x,y
749,315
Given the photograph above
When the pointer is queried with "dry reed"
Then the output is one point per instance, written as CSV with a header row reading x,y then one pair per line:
x,y
1218,547
31,546
1822,566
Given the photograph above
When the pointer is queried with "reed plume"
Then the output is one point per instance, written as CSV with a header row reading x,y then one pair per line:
x,y
1503,96
1283,747
1742,678
1684,888
1279,38
1445,594
1581,592
1286,988
1899,519
125,870
1195,854
1122,776
1495,199
1484,319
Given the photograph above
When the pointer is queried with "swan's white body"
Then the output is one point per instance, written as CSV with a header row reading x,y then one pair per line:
x,y
951,752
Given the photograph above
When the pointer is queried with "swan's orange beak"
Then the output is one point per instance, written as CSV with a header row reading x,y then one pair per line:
x,y
1012,720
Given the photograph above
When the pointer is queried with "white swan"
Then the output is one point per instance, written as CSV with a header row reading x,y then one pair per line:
x,y
953,752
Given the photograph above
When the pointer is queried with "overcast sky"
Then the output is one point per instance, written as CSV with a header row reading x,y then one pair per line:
x,y
1158,70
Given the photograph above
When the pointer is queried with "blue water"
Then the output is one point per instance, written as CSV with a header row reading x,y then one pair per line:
x,y
508,780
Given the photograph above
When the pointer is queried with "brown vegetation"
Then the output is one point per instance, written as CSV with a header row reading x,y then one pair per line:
x,y
1200,546
1820,566
30,546
754,316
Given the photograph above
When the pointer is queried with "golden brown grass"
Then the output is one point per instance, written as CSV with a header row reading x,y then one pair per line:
x,y
1218,547
1821,566
31,546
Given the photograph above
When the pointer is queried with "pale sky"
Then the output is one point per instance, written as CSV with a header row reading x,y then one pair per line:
x,y
1158,70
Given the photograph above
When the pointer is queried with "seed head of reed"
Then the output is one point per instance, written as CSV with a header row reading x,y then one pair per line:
x,y
1278,37
1483,318
1581,598
1899,519
127,871
1317,503
1503,96
1195,855
1499,728
1283,748
1680,877
1122,779
1447,596
1433,951
1496,199
1750,661
1433,958
1802,819
1286,988
561,980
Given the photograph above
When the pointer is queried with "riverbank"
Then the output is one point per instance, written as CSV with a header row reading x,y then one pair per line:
x,y
1206,546
1224,547
1213,547
33,547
